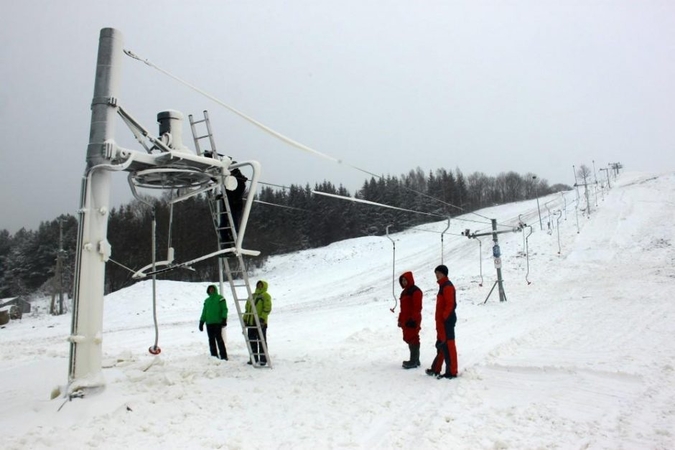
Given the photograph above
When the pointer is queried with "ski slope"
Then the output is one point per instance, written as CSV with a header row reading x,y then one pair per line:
x,y
582,357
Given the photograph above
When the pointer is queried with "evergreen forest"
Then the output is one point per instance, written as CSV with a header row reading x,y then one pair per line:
x,y
283,220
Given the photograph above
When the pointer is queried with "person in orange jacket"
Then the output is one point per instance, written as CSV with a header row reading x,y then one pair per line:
x,y
446,318
410,318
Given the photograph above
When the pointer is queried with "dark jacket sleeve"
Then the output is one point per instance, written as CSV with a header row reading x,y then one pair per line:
x,y
449,316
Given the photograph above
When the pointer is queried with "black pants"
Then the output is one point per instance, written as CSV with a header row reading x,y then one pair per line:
x,y
256,345
226,235
216,339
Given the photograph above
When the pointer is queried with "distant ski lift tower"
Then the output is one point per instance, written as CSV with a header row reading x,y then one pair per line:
x,y
609,184
595,187
615,168
536,193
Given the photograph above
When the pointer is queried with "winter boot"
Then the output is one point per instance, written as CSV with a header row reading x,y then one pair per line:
x,y
447,375
407,363
414,357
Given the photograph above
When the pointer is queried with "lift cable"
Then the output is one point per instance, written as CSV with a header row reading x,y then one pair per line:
x,y
280,206
368,202
275,185
276,134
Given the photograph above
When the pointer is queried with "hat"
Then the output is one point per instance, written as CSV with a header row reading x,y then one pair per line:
x,y
442,269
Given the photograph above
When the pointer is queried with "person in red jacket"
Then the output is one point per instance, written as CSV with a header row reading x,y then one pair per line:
x,y
410,318
446,318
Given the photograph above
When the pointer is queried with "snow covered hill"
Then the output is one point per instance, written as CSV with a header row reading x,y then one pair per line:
x,y
582,357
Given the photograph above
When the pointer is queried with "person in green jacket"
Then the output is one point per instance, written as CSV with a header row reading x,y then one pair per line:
x,y
214,315
263,306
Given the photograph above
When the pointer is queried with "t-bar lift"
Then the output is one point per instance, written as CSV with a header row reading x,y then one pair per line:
x,y
496,253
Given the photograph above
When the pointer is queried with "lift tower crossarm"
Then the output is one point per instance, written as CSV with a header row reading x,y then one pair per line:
x,y
491,233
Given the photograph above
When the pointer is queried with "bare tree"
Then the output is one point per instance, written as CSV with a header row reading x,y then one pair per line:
x,y
584,172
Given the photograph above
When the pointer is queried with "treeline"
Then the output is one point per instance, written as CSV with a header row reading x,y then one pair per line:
x,y
282,221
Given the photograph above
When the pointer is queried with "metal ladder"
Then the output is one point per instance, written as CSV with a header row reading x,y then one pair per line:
x,y
231,263
198,137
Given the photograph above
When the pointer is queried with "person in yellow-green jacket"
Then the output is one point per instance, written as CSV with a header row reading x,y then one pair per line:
x,y
214,315
263,305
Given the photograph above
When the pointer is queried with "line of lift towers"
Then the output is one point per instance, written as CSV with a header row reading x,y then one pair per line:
x,y
165,163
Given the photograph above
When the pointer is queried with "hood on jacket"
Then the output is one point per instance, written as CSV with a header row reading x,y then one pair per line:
x,y
215,289
264,287
409,278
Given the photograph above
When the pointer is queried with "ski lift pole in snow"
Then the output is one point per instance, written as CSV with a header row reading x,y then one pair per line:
x,y
527,253
393,271
534,179
442,233
468,234
559,213
609,184
576,213
480,261
154,349
595,186
522,225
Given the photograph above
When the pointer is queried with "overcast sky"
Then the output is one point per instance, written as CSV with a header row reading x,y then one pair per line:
x,y
387,86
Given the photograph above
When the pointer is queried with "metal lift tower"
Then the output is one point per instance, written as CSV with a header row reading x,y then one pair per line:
x,y
165,164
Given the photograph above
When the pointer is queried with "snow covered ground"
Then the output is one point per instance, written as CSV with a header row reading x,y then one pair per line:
x,y
583,357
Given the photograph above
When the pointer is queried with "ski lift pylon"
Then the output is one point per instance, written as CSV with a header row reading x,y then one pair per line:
x,y
527,253
442,233
393,271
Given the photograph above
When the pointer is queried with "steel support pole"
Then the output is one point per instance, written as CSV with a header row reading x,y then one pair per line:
x,y
500,281
496,253
93,248
536,193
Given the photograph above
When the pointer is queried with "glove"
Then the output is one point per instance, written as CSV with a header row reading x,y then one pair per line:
x,y
223,323
411,323
263,323
201,325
